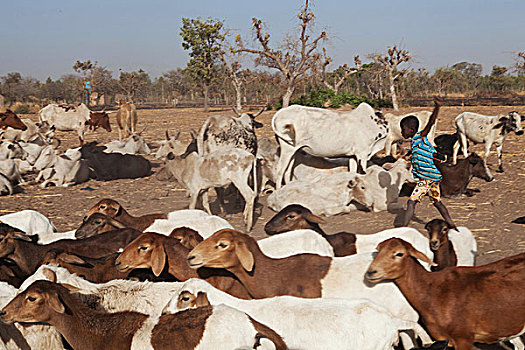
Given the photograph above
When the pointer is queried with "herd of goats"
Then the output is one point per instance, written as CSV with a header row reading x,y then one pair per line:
x,y
188,280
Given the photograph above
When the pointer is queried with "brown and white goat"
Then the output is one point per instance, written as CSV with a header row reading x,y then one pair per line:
x,y
114,210
482,304
296,217
159,252
27,255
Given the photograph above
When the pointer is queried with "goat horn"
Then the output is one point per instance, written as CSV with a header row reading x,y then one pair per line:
x,y
235,111
258,113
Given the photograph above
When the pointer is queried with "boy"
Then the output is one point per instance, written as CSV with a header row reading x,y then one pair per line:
x,y
423,168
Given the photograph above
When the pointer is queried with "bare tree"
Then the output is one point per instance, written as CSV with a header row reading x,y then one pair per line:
x,y
295,58
520,63
338,76
394,57
232,68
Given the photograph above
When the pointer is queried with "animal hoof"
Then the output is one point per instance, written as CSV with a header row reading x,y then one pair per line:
x,y
500,170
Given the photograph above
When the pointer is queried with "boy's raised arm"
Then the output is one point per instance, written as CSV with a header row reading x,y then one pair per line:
x,y
433,117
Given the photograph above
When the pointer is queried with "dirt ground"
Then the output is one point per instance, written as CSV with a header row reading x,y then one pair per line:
x,y
488,214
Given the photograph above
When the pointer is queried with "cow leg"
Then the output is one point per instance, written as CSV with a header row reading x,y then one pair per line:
x,y
249,198
119,134
464,145
287,154
499,150
388,145
220,198
206,202
487,151
193,200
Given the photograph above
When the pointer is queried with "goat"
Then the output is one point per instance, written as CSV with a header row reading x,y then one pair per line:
x,y
451,247
463,301
29,221
96,224
302,322
27,254
295,217
280,246
302,275
159,252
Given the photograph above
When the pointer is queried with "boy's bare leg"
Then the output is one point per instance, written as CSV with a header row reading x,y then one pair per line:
x,y
409,213
444,213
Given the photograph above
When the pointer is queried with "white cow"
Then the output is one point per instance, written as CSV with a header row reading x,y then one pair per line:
x,y
359,133
135,144
63,170
78,118
394,129
485,129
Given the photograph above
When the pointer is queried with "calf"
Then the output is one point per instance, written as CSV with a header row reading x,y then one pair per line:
x,y
217,169
63,170
445,144
463,300
135,144
485,129
457,177
111,166
10,119
126,118
379,189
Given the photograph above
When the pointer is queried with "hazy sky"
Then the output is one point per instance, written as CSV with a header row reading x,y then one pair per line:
x,y
42,38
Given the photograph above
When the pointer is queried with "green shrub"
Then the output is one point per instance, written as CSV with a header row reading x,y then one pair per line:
x,y
322,98
21,109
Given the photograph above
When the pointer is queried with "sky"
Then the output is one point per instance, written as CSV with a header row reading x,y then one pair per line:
x,y
44,38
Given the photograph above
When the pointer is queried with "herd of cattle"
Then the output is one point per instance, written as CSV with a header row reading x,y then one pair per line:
x,y
188,280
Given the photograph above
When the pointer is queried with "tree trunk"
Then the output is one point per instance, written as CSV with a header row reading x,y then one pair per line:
x,y
238,97
206,93
393,90
288,94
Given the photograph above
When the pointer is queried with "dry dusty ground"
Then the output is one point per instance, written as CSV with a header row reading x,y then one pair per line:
x,y
488,214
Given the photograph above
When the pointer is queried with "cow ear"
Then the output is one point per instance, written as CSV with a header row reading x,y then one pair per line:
x,y
503,119
202,300
158,259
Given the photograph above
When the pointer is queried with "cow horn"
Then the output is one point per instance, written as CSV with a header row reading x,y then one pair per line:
x,y
235,111
167,135
58,143
145,127
258,113
178,134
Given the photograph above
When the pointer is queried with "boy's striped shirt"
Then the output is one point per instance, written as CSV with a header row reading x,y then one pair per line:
x,y
423,166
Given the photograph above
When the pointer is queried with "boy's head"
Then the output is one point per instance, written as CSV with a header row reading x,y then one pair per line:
x,y
409,126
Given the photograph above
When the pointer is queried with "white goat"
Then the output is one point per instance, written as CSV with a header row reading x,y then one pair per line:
x,y
29,221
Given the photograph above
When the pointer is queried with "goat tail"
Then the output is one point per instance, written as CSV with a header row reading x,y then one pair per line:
x,y
419,332
264,331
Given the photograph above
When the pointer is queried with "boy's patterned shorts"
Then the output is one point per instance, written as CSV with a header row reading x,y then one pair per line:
x,y
426,187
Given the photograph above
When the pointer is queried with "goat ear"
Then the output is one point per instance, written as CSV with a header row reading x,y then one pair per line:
x,y
117,207
116,223
192,242
20,236
413,252
314,218
56,304
202,299
73,259
244,255
50,275
158,259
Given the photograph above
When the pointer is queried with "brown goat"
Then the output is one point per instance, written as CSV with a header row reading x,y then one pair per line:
x,y
296,217
159,252
28,255
441,246
264,277
83,328
468,304
10,119
96,224
114,210
186,236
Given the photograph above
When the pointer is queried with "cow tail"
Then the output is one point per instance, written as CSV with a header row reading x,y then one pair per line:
x,y
200,137
255,176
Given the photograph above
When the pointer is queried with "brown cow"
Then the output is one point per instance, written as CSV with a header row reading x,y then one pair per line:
x,y
10,119
126,118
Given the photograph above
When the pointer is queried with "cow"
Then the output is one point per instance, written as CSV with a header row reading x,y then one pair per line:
x,y
78,118
126,118
11,150
359,133
485,129
111,166
394,129
39,133
445,144
170,144
134,144
226,131
10,119
63,170
9,169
